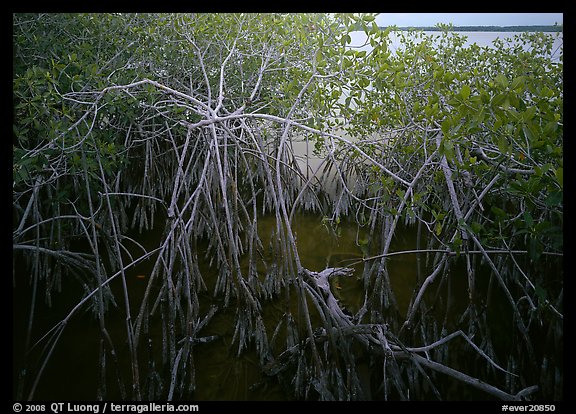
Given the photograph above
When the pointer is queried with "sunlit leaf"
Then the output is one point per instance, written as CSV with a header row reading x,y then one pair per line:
x,y
465,91
501,80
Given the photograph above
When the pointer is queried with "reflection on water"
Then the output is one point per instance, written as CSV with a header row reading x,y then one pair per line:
x,y
72,372
220,373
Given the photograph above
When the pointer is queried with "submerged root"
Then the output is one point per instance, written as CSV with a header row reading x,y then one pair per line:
x,y
376,338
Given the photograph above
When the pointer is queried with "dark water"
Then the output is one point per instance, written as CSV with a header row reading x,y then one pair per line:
x,y
221,374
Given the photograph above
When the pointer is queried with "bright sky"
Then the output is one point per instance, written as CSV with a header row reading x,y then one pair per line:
x,y
469,19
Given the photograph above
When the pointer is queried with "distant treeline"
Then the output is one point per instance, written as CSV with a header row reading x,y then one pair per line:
x,y
549,28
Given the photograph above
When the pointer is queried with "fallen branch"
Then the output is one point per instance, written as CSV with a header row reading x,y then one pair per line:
x,y
375,334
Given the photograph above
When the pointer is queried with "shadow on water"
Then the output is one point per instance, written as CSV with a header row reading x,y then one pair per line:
x,y
220,373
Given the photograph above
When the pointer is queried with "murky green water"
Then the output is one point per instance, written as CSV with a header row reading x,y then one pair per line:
x,y
221,374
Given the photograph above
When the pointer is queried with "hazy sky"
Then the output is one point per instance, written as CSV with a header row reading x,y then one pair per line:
x,y
469,19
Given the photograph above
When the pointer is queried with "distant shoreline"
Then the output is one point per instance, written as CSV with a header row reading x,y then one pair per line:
x,y
548,28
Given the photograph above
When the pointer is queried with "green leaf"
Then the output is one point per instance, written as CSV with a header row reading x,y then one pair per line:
x,y
465,92
534,249
538,144
476,227
438,228
528,219
446,125
457,244
529,113
541,293
503,145
560,176
550,128
501,80
448,148
546,92
21,175
498,212
498,123
554,199
498,99
528,133
517,83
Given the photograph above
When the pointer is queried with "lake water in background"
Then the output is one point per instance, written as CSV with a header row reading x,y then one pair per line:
x,y
304,150
482,39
